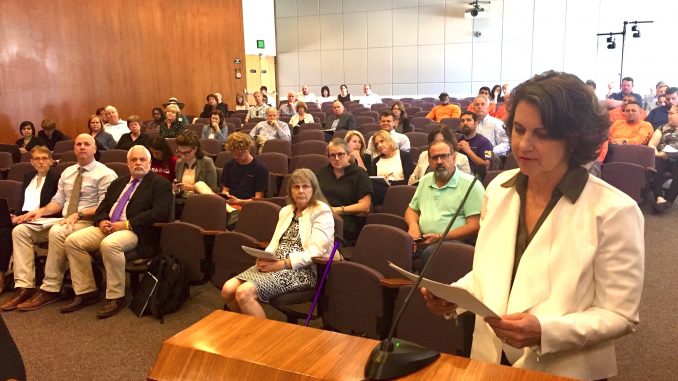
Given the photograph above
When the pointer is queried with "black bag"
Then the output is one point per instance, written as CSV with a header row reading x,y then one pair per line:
x,y
172,288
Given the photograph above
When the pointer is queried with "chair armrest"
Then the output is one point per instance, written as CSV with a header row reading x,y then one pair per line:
x,y
160,224
395,282
212,232
262,245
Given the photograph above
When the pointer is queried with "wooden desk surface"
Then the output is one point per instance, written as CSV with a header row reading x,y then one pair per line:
x,y
230,346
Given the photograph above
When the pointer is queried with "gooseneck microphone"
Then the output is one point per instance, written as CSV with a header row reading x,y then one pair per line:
x,y
393,358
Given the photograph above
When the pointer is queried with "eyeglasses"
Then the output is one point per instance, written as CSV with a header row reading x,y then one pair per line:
x,y
443,156
180,152
339,155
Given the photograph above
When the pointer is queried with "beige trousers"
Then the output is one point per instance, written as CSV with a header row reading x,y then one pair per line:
x,y
23,239
80,244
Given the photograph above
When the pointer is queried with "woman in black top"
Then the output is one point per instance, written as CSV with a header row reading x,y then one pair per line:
x,y
134,136
400,117
28,139
212,105
343,96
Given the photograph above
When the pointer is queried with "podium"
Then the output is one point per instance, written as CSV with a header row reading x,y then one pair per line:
x,y
230,346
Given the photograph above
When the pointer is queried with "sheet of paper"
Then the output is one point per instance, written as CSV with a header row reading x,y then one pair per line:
x,y
453,294
669,149
259,253
42,223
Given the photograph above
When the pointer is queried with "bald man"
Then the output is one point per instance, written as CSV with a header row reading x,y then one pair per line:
x,y
81,188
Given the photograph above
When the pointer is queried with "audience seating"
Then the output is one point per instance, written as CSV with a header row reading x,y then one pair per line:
x,y
59,168
368,129
171,142
387,101
18,170
256,120
419,122
113,156
510,162
417,139
313,162
211,147
196,129
631,153
420,114
341,134
427,106
489,176
303,136
6,161
397,199
26,157
276,162
310,146
354,301
452,123
13,149
69,156
419,325
278,145
185,241
222,158
415,152
11,191
378,107
121,169
237,123
427,128
63,146
310,127
629,178
413,110
320,115
360,120
258,219
229,257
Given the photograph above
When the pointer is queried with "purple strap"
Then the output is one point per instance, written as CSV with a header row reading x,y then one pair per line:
x,y
321,284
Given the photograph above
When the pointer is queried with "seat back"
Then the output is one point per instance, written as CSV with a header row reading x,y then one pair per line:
x,y
207,211
196,129
379,244
489,176
276,162
258,220
627,177
510,162
303,136
210,146
631,153
6,160
18,170
59,168
387,219
364,119
222,158
11,191
427,128
113,156
453,123
63,146
419,122
120,169
368,129
417,139
69,156
317,147
314,162
278,145
310,126
397,199
185,241
229,257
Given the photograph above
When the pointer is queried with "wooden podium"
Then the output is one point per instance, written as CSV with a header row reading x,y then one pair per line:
x,y
230,346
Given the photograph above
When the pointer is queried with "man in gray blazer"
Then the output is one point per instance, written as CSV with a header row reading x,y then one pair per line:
x,y
340,120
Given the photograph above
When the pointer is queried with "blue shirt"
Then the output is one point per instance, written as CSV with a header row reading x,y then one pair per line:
x,y
659,116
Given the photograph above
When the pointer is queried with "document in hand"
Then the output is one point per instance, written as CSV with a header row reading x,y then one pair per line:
x,y
453,294
42,223
259,253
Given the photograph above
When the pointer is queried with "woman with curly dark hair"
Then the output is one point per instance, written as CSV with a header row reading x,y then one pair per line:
x,y
559,255
163,160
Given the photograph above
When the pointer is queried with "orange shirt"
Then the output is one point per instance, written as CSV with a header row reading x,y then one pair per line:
x,y
501,112
637,133
444,111
617,114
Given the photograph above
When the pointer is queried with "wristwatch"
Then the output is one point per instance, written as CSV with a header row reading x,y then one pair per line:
x,y
81,215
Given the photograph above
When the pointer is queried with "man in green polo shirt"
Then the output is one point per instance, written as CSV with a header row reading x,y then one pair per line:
x,y
437,198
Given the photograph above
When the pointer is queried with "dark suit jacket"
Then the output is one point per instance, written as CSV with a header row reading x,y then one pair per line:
x,y
346,121
150,203
49,188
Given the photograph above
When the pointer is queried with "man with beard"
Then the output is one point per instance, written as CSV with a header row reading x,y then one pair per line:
x,y
437,199
475,146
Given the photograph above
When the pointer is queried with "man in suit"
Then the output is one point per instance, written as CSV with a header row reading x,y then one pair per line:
x,y
340,120
123,221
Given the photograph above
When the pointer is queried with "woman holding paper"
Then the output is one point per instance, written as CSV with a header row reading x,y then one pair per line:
x,y
665,144
560,254
305,230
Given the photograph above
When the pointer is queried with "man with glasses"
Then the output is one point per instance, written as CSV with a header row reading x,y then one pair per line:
x,y
244,177
438,196
271,128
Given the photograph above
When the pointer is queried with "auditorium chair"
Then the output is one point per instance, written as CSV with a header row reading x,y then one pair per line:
x,y
629,178
11,191
310,126
59,168
120,169
63,146
278,167
417,139
453,123
419,122
222,158
68,156
237,123
278,145
341,134
6,161
489,176
18,170
413,110
308,147
427,128
313,162
360,120
354,300
113,156
211,147
322,117
307,135
196,129
368,130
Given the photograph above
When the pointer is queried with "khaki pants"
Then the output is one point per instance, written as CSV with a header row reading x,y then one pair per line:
x,y
80,244
23,239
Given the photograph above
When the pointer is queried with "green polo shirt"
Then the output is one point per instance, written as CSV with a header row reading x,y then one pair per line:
x,y
436,206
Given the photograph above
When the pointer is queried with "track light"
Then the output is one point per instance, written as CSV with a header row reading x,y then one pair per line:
x,y
611,43
610,39
636,32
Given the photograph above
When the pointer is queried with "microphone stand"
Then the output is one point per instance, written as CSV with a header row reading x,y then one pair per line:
x,y
391,359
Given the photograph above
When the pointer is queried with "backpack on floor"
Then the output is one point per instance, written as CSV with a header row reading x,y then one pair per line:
x,y
172,288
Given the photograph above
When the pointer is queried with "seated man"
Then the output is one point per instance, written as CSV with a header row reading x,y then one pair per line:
x,y
244,177
341,119
81,188
114,125
618,113
444,110
490,127
369,98
123,221
475,146
289,108
631,130
491,106
258,110
306,96
615,100
271,128
387,123
436,200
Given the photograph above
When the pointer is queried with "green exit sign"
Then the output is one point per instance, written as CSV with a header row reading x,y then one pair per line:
x,y
260,44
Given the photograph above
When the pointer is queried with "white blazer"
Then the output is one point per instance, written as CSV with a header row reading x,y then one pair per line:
x,y
581,276
316,229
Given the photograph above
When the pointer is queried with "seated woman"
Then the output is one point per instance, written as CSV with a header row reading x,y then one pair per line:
x,y
400,117
665,144
172,127
28,139
195,172
423,167
217,128
300,118
357,147
394,165
104,140
347,187
152,128
325,95
134,136
213,105
50,134
38,188
344,96
305,230
163,162
240,102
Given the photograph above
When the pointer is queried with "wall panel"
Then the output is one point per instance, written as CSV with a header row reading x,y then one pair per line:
x,y
62,59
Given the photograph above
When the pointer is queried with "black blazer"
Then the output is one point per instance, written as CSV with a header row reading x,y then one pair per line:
x,y
346,121
126,141
49,188
207,110
35,141
150,203
408,167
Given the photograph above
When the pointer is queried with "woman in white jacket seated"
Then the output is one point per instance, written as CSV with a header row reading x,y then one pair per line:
x,y
305,230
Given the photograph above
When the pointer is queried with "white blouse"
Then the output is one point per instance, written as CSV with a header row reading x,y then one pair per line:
x,y
32,194
391,168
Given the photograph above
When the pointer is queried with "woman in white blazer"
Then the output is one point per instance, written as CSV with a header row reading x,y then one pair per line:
x,y
305,230
560,254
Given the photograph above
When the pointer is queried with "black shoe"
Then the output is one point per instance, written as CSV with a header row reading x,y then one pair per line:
x,y
81,301
660,207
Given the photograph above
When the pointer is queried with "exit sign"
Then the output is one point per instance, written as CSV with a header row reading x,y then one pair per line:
x,y
260,44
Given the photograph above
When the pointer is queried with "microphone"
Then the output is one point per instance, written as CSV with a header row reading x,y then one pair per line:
x,y
391,360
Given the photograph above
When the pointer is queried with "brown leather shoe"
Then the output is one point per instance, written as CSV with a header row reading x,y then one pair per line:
x,y
41,298
81,301
112,307
21,295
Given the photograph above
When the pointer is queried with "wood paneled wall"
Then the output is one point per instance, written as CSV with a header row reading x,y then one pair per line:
x,y
62,59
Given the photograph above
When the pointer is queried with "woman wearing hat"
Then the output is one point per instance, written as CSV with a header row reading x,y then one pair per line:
x,y
180,116
172,126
